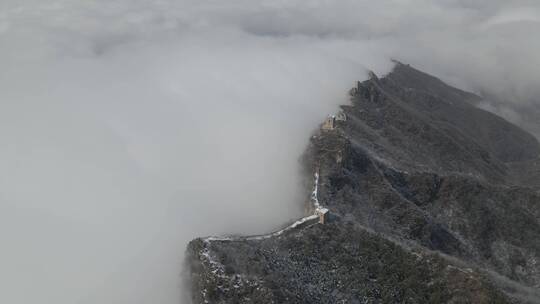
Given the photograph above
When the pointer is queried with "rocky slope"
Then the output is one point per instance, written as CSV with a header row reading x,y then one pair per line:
x,y
431,200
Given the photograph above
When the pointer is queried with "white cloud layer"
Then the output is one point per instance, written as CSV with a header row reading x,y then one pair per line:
x,y
130,127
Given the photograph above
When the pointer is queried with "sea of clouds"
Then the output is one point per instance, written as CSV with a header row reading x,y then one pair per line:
x,y
130,127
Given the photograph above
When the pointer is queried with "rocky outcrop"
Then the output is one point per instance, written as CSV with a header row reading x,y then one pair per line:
x,y
428,204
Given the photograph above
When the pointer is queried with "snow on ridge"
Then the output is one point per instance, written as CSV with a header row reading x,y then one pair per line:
x,y
315,193
277,233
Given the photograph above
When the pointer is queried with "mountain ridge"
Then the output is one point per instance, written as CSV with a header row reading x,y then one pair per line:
x,y
426,206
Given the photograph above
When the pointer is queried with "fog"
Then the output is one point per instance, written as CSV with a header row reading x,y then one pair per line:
x,y
130,127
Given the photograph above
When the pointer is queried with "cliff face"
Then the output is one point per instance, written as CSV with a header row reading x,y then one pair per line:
x,y
429,202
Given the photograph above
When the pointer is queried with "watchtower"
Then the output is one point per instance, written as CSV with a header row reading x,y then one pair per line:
x,y
329,123
323,215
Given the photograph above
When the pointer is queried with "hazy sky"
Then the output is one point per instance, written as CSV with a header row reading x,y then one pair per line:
x,y
130,127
